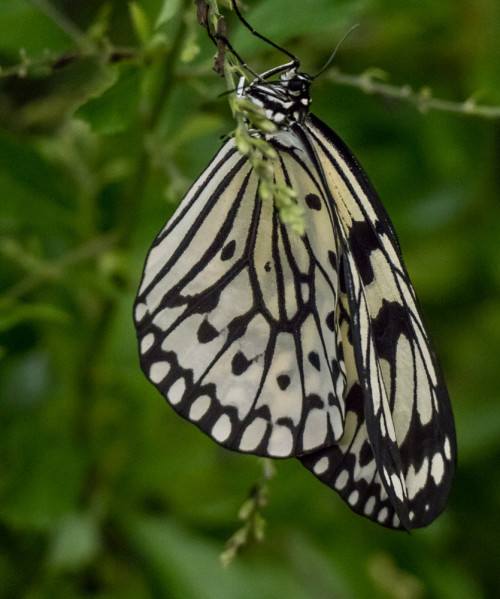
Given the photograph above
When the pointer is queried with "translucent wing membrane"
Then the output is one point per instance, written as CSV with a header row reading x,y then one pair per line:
x,y
311,347
236,317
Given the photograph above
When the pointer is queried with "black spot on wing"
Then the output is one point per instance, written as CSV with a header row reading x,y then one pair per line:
x,y
330,321
206,332
228,250
366,454
313,201
238,326
363,241
314,360
336,368
267,267
332,257
314,401
240,363
389,324
283,381
355,401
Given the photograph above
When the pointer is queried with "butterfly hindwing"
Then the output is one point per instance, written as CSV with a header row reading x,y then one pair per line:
x,y
408,419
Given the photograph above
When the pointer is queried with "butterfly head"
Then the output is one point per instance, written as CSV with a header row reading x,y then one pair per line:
x,y
286,101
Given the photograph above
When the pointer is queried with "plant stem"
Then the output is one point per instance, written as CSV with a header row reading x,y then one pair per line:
x,y
87,376
138,185
422,100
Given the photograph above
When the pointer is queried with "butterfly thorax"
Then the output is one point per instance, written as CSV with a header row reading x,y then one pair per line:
x,y
285,101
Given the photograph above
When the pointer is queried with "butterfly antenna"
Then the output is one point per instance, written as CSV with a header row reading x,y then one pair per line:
x,y
260,36
329,61
227,92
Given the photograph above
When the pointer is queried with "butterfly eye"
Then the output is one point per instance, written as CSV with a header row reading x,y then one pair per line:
x,y
295,85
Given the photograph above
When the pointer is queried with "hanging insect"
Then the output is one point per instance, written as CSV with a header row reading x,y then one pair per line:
x,y
309,346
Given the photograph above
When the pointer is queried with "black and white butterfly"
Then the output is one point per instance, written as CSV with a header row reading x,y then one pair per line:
x,y
311,346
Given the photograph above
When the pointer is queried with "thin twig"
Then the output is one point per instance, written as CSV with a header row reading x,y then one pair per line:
x,y
423,100
138,184
49,63
367,82
250,514
40,271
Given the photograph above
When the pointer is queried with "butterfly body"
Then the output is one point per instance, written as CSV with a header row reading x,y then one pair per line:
x,y
309,346
285,101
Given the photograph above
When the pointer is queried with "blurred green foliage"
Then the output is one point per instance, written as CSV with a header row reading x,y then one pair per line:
x,y
108,111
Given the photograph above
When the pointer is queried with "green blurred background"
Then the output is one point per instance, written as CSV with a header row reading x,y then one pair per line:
x,y
108,111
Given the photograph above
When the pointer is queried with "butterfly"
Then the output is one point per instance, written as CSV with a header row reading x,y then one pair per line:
x,y
308,346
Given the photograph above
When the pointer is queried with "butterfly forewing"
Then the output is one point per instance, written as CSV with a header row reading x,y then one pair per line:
x,y
236,316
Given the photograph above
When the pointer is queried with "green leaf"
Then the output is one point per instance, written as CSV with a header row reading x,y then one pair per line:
x,y
44,478
199,124
12,317
141,23
75,541
180,564
168,10
114,109
50,99
21,20
23,166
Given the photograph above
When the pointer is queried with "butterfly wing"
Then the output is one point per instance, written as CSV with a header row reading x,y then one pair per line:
x,y
397,458
236,319
282,346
